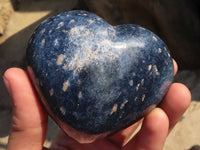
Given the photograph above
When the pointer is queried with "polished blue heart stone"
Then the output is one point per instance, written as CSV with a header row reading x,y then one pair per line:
x,y
94,78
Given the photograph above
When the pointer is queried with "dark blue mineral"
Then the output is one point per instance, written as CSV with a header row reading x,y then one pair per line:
x,y
94,78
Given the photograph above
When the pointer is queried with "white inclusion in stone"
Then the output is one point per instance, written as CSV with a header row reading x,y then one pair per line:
x,y
91,21
114,109
66,84
142,81
76,31
105,49
149,67
134,74
60,59
60,25
65,31
137,87
155,69
160,50
168,54
131,82
50,31
142,28
51,92
117,45
62,110
80,95
143,97
56,42
135,99
43,30
155,38
123,104
132,43
71,21
43,42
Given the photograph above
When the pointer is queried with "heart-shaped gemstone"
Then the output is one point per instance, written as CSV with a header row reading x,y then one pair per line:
x,y
95,79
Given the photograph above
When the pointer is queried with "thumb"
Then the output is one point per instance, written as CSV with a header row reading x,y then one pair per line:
x,y
29,120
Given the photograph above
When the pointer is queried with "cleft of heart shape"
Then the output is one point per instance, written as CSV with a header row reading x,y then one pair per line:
x,y
93,78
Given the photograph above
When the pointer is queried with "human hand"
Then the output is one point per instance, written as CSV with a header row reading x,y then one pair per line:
x,y
29,120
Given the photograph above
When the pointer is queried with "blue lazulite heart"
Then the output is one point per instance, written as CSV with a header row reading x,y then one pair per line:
x,y
93,78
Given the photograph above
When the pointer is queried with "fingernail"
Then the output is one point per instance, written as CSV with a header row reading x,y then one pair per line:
x,y
6,84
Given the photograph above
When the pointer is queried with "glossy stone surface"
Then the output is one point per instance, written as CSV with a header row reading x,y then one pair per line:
x,y
93,78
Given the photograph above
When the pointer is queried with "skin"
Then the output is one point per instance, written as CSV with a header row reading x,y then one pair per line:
x,y
29,120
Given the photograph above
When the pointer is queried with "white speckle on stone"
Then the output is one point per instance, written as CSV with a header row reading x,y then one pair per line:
x,y
134,74
137,87
131,82
51,92
165,48
65,31
73,31
80,95
99,19
135,99
86,33
62,110
149,67
143,97
43,42
123,104
155,69
133,28
91,21
142,28
60,25
160,50
56,43
85,14
114,109
66,84
60,59
155,38
168,54
77,30
43,30
79,82
64,67
71,21
142,81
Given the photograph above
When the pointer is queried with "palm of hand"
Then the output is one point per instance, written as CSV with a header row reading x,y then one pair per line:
x,y
29,120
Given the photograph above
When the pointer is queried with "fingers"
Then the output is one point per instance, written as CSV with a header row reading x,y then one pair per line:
x,y
29,120
175,67
122,137
176,102
153,132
